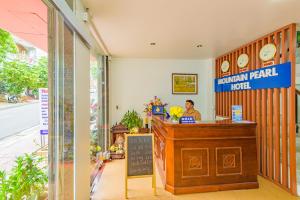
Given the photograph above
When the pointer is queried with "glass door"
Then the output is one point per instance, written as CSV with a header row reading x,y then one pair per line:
x,y
61,143
69,142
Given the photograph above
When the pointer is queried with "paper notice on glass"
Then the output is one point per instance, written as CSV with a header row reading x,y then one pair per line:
x,y
43,97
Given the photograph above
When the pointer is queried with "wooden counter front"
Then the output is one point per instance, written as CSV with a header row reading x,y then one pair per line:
x,y
207,156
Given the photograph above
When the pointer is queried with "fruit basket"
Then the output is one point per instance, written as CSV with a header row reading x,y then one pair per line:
x,y
117,152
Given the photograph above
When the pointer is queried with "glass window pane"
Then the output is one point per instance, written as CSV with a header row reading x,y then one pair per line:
x,y
24,100
70,3
94,109
68,115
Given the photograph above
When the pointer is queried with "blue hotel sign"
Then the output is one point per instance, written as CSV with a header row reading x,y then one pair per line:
x,y
276,76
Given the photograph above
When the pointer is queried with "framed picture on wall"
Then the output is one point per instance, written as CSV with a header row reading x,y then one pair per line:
x,y
184,83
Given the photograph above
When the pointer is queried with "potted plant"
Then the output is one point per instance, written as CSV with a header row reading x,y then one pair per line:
x,y
27,180
132,120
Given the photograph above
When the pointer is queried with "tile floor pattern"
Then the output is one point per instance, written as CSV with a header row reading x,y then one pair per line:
x,y
111,187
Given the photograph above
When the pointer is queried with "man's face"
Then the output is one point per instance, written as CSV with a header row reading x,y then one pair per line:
x,y
188,105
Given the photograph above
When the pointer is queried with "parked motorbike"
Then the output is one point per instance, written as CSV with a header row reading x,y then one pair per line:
x,y
12,99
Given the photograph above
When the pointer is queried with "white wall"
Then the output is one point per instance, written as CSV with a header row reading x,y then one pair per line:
x,y
133,82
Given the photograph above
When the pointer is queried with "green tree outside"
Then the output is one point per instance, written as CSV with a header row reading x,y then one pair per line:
x,y
16,76
20,76
7,45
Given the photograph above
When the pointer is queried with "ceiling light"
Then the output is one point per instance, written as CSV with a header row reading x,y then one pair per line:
x,y
152,43
199,45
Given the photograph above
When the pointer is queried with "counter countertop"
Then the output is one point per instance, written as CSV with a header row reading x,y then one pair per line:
x,y
226,122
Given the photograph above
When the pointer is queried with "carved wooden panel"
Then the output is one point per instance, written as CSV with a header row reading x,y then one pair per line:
x,y
194,162
160,150
228,161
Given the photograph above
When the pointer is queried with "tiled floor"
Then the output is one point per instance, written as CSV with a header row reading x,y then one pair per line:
x,y
111,187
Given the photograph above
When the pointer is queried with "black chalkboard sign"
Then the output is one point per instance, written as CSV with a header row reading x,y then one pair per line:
x,y
139,154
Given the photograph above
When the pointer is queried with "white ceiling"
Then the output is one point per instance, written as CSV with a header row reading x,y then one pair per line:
x,y
177,26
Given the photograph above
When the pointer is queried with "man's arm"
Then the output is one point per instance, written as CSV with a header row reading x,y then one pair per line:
x,y
197,116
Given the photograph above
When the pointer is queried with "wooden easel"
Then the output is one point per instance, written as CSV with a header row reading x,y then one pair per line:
x,y
139,176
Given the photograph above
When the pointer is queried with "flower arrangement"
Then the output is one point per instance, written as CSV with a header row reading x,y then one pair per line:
x,y
176,112
154,102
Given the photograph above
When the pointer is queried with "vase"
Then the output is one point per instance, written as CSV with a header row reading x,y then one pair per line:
x,y
175,121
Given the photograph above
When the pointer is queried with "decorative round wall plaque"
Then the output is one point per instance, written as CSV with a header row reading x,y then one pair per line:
x,y
225,66
267,52
243,60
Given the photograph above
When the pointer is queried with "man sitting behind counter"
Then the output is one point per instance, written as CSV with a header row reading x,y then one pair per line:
x,y
190,111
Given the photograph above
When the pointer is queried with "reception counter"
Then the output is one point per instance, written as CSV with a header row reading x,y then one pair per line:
x,y
206,156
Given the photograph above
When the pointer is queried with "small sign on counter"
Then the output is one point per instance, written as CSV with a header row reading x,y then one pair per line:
x,y
187,120
237,113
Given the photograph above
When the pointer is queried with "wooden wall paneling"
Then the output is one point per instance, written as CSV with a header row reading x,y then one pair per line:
x,y
231,73
221,93
217,94
253,101
258,113
253,92
272,109
292,110
249,110
277,116
230,93
223,97
226,97
240,93
235,94
270,127
264,126
219,71
284,119
244,95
